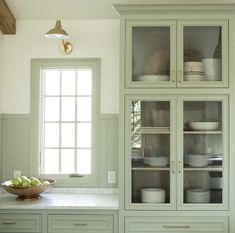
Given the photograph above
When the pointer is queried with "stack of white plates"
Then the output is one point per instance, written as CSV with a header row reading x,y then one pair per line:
x,y
160,161
197,196
203,125
153,195
199,160
193,71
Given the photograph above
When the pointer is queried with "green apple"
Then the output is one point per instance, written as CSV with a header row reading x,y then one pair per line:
x,y
34,181
17,181
26,182
23,178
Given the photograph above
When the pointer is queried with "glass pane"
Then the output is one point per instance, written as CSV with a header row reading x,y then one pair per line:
x,y
68,109
150,151
51,161
83,135
84,161
84,108
67,161
84,82
202,53
52,82
151,54
67,135
51,135
52,108
68,82
203,152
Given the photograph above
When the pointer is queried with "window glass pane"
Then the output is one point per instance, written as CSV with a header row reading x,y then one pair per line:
x,y
68,82
52,82
84,108
67,161
83,135
51,135
84,83
51,161
67,135
84,161
52,109
68,108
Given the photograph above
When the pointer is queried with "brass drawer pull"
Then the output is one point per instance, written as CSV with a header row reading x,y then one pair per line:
x,y
169,226
8,223
80,224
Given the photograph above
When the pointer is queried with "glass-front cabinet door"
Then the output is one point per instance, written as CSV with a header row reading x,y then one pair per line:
x,y
176,53
202,169
176,152
150,165
150,53
203,53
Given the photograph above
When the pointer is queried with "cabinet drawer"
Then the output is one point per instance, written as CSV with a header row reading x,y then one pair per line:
x,y
176,224
20,223
80,223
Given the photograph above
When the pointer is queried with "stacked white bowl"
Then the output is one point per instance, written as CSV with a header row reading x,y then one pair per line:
x,y
193,71
159,161
153,195
198,160
197,196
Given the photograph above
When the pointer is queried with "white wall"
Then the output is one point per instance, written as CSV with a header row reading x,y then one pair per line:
x,y
91,38
1,70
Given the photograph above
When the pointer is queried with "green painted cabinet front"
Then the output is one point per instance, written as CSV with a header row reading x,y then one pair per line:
x,y
20,223
176,152
189,53
176,224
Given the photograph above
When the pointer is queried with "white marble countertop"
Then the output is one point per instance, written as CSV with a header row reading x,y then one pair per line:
x,y
66,200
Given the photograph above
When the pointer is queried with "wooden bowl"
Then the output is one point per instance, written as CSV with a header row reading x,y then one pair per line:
x,y
28,192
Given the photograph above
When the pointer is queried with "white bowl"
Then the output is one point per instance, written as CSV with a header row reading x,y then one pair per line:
x,y
204,125
157,161
199,160
153,78
153,195
197,196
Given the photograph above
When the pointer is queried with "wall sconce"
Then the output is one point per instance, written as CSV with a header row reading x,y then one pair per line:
x,y
59,33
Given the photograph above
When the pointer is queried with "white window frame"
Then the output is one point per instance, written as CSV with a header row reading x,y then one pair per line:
x,y
37,65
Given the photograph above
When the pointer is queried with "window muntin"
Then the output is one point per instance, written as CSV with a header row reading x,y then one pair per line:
x,y
66,121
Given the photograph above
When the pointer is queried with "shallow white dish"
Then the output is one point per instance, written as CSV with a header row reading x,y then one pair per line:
x,y
193,77
203,125
197,196
193,66
198,160
153,195
157,161
152,78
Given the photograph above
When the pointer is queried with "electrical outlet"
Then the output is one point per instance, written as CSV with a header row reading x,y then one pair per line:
x,y
111,177
16,173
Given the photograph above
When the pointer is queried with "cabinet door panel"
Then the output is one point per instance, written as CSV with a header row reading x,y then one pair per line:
x,y
203,53
150,53
203,166
149,154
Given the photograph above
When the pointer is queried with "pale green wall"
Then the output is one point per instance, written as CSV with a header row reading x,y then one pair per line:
x,y
0,147
15,134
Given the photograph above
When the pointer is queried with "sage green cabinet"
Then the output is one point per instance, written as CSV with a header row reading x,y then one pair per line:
x,y
176,154
80,223
176,53
20,223
176,224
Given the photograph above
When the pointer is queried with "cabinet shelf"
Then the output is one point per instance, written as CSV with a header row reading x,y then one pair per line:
x,y
202,132
149,168
207,168
154,130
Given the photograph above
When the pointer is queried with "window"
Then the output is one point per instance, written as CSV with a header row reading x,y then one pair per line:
x,y
65,112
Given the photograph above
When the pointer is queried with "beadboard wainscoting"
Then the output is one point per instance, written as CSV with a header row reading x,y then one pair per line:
x,y
15,146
